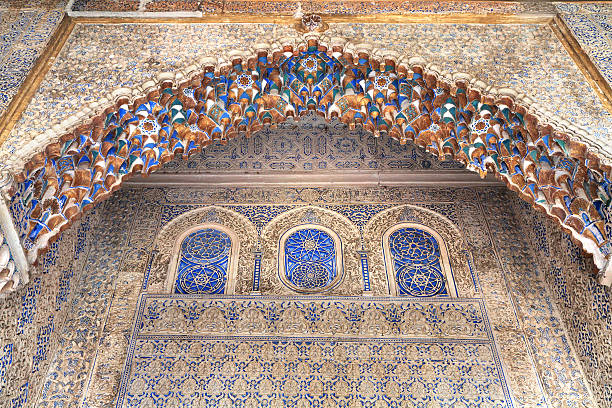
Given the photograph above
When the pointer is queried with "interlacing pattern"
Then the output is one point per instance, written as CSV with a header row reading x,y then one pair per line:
x,y
416,261
385,95
203,264
310,259
311,352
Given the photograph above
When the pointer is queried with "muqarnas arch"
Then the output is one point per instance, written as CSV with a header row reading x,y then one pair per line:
x,y
455,118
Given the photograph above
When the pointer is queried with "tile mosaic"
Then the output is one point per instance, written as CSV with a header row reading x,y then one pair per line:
x,y
376,366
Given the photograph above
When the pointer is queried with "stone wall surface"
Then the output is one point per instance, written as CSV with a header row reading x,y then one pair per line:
x,y
540,366
585,306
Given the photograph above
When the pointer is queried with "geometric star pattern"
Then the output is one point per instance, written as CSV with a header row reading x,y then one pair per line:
x,y
203,264
416,263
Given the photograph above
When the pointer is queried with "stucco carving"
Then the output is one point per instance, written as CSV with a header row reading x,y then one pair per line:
x,y
453,240
454,116
163,263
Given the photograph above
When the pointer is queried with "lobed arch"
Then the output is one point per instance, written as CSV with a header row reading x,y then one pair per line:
x,y
453,116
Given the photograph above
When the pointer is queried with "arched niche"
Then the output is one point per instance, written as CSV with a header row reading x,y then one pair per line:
x,y
454,117
453,245
327,277
166,248
443,258
350,279
233,255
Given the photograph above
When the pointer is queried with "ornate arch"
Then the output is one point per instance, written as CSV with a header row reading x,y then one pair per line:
x,y
166,247
454,244
351,282
443,259
233,255
453,116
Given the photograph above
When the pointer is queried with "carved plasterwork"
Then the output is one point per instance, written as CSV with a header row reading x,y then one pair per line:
x,y
453,242
531,344
351,282
312,350
163,264
490,130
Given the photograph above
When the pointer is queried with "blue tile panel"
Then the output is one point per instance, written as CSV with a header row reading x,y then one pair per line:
x,y
416,263
310,259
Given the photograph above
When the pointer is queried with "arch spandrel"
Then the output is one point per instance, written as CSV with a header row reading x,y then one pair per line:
x,y
453,116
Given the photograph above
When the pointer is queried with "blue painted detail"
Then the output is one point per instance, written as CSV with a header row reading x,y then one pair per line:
x,y
145,281
365,270
257,272
42,344
416,263
468,256
22,396
6,359
204,262
28,306
310,259
64,288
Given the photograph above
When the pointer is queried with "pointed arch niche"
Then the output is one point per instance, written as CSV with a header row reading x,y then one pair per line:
x,y
452,116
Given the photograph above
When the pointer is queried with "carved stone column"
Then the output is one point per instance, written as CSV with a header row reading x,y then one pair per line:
x,y
13,264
